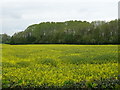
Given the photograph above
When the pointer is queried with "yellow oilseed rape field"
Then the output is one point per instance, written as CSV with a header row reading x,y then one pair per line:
x,y
60,66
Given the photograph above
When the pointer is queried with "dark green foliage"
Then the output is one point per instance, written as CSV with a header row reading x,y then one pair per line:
x,y
4,38
69,32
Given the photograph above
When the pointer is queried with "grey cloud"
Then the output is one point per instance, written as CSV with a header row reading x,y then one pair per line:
x,y
18,14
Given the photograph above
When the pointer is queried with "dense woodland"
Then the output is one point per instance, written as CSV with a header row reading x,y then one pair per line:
x,y
69,32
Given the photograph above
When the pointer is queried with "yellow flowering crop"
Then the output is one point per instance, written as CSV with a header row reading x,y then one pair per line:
x,y
81,66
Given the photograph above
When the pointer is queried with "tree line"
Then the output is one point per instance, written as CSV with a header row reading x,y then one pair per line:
x,y
69,32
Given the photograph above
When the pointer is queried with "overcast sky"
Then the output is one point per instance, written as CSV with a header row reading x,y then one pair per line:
x,y
17,15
